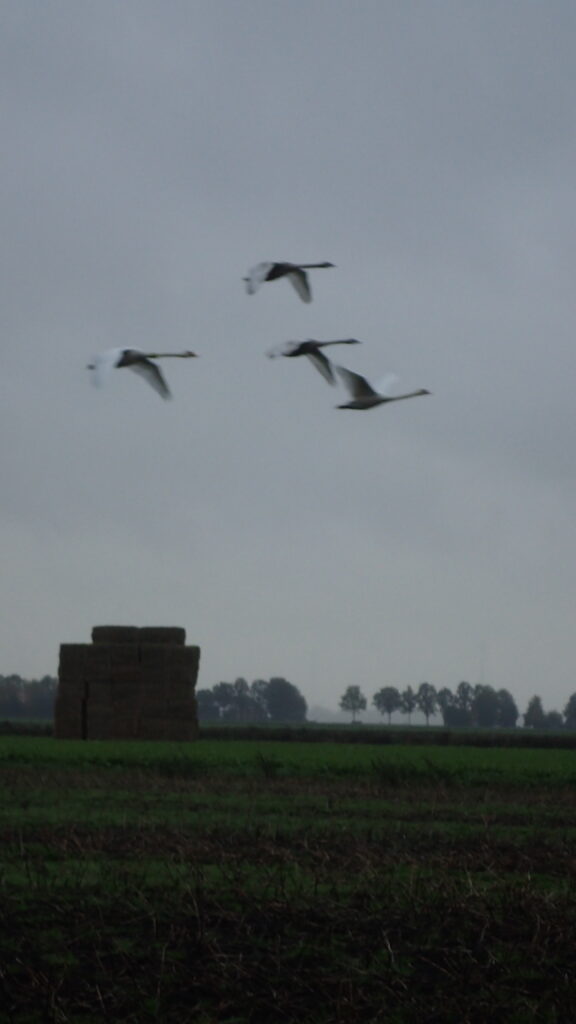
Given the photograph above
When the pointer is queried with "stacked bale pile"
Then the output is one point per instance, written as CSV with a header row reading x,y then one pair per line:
x,y
129,683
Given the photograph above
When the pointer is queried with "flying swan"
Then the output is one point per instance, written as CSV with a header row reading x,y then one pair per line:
x,y
140,362
312,349
295,272
363,394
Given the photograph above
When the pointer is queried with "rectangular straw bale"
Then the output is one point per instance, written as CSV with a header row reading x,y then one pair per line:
x,y
151,708
98,713
149,729
126,728
71,660
185,657
68,729
180,709
123,654
68,697
98,710
124,664
126,688
71,689
154,694
153,684
179,683
115,635
99,690
178,693
98,661
98,726
160,709
153,656
155,691
73,653
124,715
181,731
68,709
126,719
125,675
179,689
182,663
162,635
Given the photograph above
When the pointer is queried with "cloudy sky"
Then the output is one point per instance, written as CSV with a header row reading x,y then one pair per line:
x,y
152,153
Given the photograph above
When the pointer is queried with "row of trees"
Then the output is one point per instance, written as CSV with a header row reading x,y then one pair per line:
x,y
480,706
277,700
469,705
536,718
272,700
27,698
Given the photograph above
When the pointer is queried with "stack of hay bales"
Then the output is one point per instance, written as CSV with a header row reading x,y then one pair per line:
x,y
129,683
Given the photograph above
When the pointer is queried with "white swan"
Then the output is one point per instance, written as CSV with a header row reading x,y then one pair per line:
x,y
363,394
140,362
312,349
295,272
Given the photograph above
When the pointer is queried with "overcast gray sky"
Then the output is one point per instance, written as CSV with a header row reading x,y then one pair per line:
x,y
152,153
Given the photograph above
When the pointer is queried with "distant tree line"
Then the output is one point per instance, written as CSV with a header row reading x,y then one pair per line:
x,y
272,700
27,698
478,706
276,700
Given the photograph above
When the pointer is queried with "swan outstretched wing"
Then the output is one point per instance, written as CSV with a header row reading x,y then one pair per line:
x,y
322,364
256,276
386,384
305,348
149,371
299,279
357,386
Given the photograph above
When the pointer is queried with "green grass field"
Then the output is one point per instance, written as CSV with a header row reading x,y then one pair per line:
x,y
237,881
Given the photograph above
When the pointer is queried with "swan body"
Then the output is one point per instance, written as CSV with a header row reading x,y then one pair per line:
x,y
295,272
141,362
363,395
312,349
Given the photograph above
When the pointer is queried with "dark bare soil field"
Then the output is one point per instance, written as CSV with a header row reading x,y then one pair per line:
x,y
242,885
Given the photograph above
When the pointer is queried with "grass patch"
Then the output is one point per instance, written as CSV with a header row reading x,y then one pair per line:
x,y
393,764
251,882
